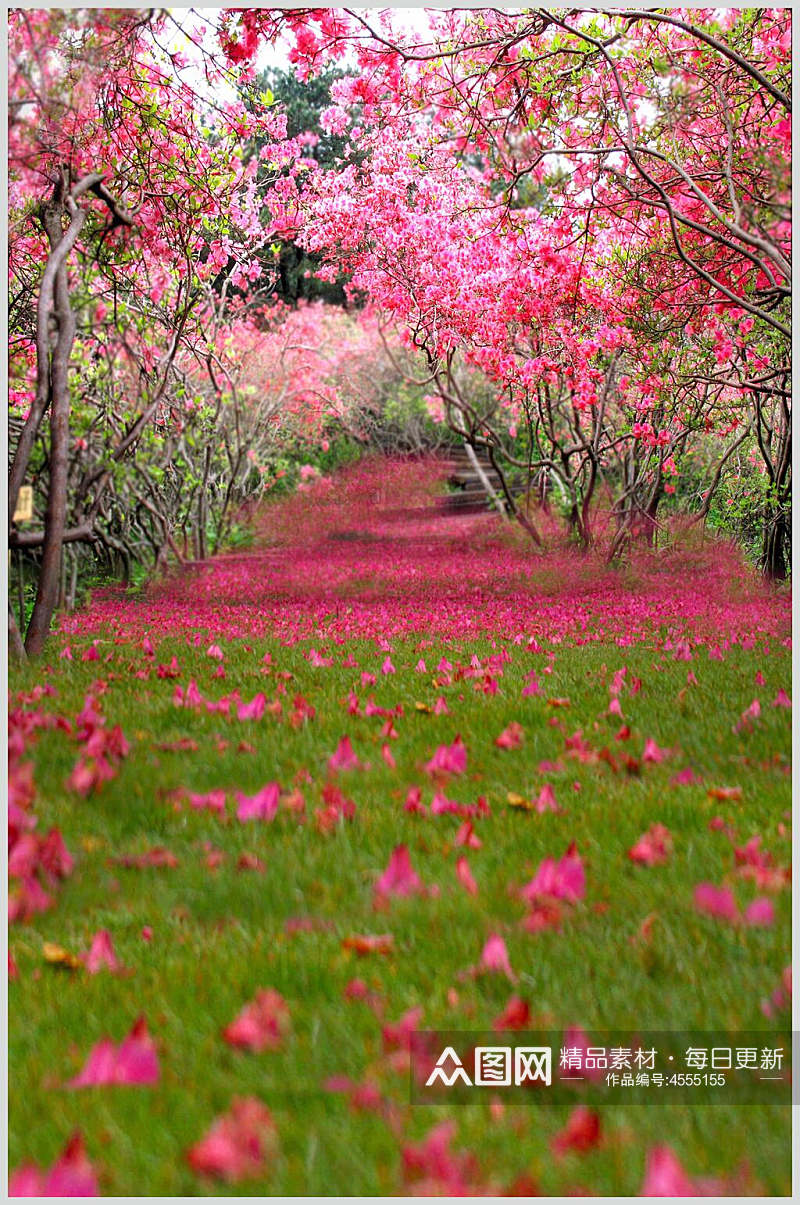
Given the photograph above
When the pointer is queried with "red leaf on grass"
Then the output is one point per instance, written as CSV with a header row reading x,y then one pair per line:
x,y
581,1133
515,1015
158,856
379,943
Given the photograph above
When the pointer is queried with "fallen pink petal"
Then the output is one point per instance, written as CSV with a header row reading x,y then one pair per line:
x,y
134,1061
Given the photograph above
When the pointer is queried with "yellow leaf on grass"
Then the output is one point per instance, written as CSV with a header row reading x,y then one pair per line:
x,y
57,956
519,801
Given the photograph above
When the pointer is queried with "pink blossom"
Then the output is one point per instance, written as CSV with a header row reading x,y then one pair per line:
x,y
716,901
760,912
238,1144
652,753
449,759
664,1175
562,880
511,737
466,835
72,1175
344,758
261,806
101,954
399,878
546,799
262,1024
494,957
464,875
134,1061
213,800
653,847
253,710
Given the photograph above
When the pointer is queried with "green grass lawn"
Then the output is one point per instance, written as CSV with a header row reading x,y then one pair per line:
x,y
219,934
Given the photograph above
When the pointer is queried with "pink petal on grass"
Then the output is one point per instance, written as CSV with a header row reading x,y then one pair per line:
x,y
464,875
262,1024
399,878
716,901
100,954
531,686
252,710
652,753
134,1061
562,880
760,912
213,800
684,778
449,759
546,800
653,847
344,758
238,1144
72,1175
262,806
511,737
466,835
664,1175
494,957
581,1132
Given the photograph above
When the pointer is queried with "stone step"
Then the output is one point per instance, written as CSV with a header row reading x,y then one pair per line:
x,y
468,479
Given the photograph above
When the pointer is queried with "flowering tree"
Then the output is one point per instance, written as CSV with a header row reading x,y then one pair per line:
x,y
620,164
132,210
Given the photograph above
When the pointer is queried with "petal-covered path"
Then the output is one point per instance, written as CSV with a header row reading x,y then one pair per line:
x,y
387,772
